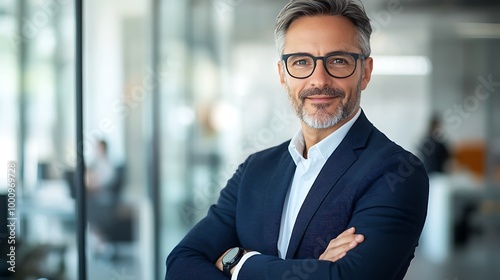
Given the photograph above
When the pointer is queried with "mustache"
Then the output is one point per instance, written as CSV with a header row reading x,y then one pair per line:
x,y
330,92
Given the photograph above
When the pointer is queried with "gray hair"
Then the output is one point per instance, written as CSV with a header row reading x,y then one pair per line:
x,y
350,9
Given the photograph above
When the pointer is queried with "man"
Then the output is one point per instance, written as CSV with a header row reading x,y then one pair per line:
x,y
433,151
338,201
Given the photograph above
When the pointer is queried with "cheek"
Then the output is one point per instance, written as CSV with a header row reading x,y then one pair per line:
x,y
350,85
292,87
345,86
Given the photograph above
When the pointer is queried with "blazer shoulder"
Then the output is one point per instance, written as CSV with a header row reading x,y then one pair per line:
x,y
382,155
272,153
368,140
380,146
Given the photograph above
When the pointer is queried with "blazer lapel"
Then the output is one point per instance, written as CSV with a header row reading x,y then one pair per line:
x,y
335,167
274,201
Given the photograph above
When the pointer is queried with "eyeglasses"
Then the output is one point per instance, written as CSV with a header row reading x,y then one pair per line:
x,y
338,64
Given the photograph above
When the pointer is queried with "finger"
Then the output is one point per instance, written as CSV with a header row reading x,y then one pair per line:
x,y
346,232
341,247
335,254
336,258
353,244
346,239
339,241
359,238
334,251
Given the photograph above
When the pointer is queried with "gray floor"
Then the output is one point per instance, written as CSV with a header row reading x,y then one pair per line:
x,y
476,261
116,270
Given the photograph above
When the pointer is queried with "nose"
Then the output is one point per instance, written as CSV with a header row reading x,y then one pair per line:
x,y
320,78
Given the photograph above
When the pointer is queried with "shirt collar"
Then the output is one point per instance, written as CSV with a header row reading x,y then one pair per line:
x,y
325,147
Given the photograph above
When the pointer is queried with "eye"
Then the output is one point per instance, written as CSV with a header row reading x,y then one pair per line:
x,y
338,60
300,61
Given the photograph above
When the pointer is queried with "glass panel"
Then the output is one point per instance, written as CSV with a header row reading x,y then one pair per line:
x,y
9,111
117,104
38,95
10,180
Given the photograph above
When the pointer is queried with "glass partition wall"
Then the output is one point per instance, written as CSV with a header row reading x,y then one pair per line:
x,y
37,142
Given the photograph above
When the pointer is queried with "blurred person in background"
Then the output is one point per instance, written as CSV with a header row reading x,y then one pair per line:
x,y
339,200
101,172
434,152
100,178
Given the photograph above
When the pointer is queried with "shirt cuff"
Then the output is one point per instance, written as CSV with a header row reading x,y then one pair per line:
x,y
238,267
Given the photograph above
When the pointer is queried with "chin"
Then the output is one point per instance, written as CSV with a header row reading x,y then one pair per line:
x,y
321,120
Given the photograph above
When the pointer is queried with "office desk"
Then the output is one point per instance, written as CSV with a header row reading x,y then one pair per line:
x,y
47,214
449,196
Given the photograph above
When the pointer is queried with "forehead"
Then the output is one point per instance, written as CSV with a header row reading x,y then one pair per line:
x,y
320,35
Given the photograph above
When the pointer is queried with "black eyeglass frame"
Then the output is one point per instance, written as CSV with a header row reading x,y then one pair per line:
x,y
356,56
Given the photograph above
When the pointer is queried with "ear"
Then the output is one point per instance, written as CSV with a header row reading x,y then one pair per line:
x,y
281,73
367,72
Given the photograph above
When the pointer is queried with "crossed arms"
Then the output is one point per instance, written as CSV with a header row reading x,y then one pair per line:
x,y
389,218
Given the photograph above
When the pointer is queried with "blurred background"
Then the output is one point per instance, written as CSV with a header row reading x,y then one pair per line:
x,y
178,93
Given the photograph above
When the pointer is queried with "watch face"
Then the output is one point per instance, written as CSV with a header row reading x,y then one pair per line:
x,y
229,257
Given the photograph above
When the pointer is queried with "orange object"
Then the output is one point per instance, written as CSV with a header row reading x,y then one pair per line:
x,y
472,156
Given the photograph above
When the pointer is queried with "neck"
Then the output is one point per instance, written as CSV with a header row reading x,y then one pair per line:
x,y
313,136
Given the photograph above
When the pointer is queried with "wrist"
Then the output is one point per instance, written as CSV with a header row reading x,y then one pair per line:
x,y
234,267
242,263
231,259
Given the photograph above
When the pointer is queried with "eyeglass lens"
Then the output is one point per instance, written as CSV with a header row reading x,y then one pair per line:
x,y
337,65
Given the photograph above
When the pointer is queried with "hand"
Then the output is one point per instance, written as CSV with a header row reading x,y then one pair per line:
x,y
338,247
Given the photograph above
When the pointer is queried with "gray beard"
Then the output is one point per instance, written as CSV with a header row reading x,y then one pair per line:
x,y
322,119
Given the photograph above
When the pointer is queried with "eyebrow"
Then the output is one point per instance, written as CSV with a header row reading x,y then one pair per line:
x,y
327,54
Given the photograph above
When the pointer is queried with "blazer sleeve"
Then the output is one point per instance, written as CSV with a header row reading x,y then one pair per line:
x,y
194,257
390,213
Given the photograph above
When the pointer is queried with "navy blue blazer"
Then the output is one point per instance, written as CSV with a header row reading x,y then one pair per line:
x,y
368,182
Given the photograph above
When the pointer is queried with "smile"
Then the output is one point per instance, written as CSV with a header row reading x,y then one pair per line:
x,y
320,99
